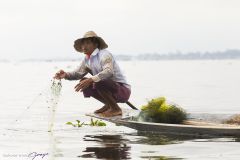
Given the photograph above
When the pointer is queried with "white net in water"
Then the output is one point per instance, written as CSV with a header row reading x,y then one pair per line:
x,y
53,100
40,114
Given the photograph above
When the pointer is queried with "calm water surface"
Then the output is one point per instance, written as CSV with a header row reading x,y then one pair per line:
x,y
201,87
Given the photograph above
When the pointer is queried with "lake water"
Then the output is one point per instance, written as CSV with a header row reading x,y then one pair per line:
x,y
201,87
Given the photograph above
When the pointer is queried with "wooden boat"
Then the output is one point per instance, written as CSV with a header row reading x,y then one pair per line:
x,y
190,127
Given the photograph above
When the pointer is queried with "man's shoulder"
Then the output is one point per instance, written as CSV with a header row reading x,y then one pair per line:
x,y
105,53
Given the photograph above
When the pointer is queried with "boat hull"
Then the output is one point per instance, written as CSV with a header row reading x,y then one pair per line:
x,y
181,129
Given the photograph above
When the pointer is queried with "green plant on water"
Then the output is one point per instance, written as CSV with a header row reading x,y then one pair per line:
x,y
78,124
97,123
92,123
158,110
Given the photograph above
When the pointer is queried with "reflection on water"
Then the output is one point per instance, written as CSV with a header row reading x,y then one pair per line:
x,y
159,139
165,139
111,147
237,139
118,146
159,158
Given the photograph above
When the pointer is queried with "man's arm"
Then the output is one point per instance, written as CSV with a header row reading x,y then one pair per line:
x,y
107,64
78,73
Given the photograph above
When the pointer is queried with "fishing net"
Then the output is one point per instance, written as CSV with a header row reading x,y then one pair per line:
x,y
53,102
40,114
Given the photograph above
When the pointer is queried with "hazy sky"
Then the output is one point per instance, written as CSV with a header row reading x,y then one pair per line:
x,y
48,28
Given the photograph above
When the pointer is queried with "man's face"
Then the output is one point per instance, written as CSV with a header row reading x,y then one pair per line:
x,y
88,46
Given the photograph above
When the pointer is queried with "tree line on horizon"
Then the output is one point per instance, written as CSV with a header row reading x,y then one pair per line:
x,y
227,54
217,55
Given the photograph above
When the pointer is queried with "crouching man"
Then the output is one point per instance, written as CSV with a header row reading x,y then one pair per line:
x,y
107,84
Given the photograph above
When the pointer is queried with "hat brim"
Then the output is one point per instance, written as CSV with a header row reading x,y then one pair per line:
x,y
78,43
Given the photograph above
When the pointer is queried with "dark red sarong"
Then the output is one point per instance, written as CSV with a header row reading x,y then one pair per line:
x,y
119,91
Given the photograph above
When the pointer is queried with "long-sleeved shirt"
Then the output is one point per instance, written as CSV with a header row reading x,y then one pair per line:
x,y
102,65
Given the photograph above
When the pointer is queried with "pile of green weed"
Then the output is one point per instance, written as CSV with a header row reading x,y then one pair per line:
x,y
159,111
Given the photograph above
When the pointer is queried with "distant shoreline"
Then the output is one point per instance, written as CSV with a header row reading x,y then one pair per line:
x,y
77,60
218,55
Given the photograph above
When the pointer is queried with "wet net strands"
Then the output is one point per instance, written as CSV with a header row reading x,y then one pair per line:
x,y
53,102
41,110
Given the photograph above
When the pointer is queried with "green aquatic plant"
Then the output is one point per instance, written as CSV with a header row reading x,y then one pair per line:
x,y
97,123
78,124
92,123
158,110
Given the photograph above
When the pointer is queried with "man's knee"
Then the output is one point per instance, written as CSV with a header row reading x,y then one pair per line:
x,y
106,84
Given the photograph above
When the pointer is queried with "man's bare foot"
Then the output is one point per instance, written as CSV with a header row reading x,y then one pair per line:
x,y
103,109
111,113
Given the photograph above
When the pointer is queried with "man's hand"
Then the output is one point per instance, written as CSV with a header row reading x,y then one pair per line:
x,y
83,84
60,75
